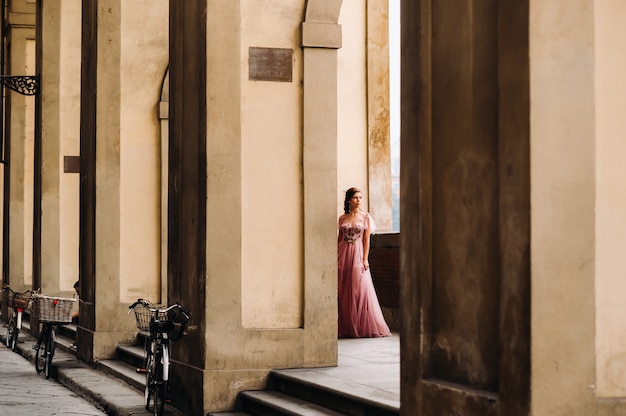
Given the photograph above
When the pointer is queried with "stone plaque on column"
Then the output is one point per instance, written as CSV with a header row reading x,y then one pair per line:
x,y
270,64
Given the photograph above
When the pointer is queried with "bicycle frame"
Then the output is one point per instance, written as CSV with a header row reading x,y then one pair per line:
x,y
19,303
163,345
159,322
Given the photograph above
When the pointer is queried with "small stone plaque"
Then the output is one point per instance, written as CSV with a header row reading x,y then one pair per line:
x,y
71,164
270,64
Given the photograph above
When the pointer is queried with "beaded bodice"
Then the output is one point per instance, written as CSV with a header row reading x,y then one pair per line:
x,y
351,232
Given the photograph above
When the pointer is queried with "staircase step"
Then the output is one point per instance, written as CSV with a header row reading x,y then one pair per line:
x,y
26,324
67,330
142,338
123,371
338,395
63,342
274,403
228,414
131,354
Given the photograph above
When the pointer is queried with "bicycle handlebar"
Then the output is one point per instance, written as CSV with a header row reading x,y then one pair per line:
x,y
5,287
151,307
139,302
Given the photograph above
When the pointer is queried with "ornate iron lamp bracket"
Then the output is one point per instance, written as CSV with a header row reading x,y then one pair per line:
x,y
24,84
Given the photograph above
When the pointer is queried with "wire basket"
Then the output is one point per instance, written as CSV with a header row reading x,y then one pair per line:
x,y
51,309
173,322
145,316
21,300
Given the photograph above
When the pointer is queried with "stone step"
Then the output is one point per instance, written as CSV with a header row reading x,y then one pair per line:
x,y
123,371
111,393
228,414
131,354
275,403
293,392
64,343
67,331
26,322
339,396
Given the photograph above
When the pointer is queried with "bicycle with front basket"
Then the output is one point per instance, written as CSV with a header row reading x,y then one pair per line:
x,y
19,302
51,311
166,324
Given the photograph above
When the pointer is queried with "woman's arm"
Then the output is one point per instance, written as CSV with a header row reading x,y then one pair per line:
x,y
366,248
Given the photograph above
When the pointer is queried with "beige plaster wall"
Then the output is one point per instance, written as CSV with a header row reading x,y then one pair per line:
x,y
563,178
610,53
271,172
143,63
352,113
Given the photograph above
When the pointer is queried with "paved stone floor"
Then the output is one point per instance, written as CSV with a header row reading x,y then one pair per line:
x,y
367,367
24,392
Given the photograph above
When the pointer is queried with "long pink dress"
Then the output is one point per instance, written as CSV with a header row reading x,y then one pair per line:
x,y
359,311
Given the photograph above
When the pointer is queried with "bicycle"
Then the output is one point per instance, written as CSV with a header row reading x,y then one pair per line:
x,y
165,325
19,302
52,311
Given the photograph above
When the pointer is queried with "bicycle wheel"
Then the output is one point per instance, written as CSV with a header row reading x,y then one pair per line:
x,y
10,326
149,378
13,343
159,385
41,350
49,353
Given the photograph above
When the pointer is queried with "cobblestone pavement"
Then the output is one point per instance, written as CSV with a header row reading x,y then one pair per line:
x,y
24,392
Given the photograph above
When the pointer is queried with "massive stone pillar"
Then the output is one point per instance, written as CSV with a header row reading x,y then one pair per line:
x,y
465,214
563,149
60,164
548,112
577,56
100,182
321,38
378,114
252,180
124,59
18,153
187,195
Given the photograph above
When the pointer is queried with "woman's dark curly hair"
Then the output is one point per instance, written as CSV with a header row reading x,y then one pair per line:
x,y
346,202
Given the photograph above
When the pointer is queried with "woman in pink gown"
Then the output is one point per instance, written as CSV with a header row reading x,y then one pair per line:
x,y
359,311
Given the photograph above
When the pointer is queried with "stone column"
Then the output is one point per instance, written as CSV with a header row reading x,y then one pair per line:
x,y
563,199
19,154
100,181
124,59
378,101
61,147
187,197
321,37
246,329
